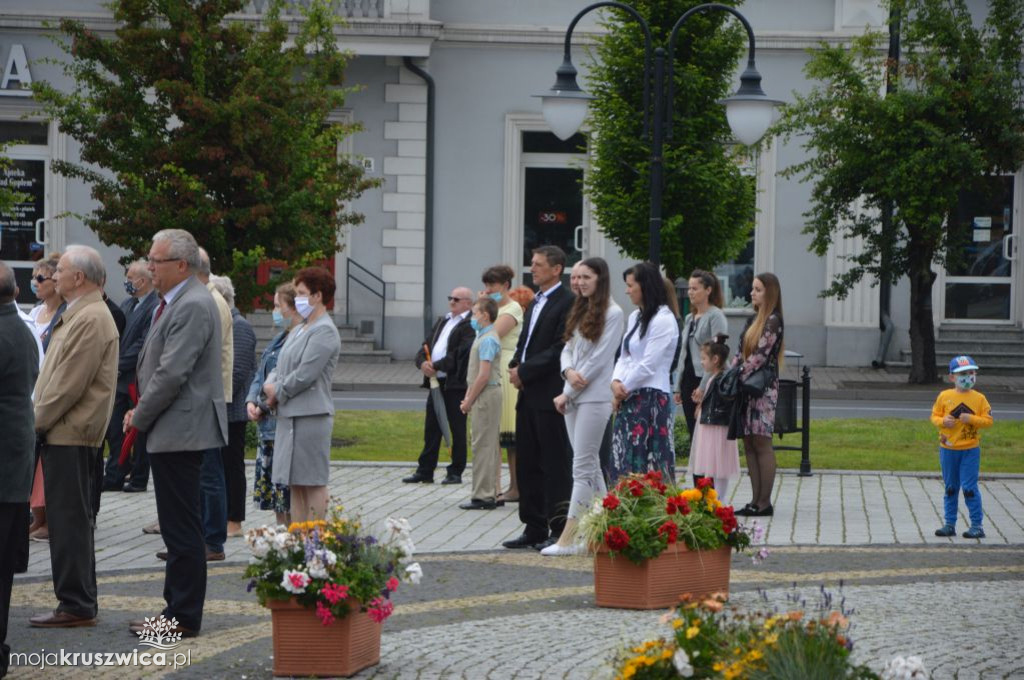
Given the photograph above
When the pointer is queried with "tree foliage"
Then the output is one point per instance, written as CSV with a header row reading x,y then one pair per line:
x,y
708,204
189,119
955,118
8,196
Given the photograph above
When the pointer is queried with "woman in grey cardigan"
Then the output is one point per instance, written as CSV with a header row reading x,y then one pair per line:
x,y
300,390
705,321
593,330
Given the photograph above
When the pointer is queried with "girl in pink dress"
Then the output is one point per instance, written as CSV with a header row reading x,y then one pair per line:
x,y
714,454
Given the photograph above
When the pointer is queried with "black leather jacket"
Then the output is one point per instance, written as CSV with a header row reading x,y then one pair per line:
x,y
714,409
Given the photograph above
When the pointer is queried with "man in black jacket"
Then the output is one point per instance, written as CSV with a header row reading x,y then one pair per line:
x,y
449,342
543,452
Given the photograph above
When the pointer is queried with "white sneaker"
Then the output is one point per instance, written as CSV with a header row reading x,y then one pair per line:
x,y
555,550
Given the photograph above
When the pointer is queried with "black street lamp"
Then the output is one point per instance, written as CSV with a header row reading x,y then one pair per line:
x,y
749,111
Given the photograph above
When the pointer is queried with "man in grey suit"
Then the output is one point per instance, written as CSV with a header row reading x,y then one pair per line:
x,y
181,413
19,367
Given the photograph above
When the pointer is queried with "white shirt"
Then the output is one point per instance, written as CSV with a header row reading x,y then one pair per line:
x,y
32,327
649,358
440,348
539,301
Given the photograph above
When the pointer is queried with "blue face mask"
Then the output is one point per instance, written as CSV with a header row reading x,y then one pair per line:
x,y
966,381
495,296
34,287
278,318
475,325
129,287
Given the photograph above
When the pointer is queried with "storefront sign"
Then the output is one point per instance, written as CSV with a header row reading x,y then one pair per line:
x,y
18,227
17,79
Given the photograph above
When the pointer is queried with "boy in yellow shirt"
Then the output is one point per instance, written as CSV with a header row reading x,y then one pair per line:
x,y
959,413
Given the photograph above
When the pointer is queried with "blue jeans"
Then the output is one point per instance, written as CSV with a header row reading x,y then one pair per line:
x,y
214,500
960,471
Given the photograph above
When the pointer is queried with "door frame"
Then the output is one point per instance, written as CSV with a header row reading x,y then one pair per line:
x,y
1015,279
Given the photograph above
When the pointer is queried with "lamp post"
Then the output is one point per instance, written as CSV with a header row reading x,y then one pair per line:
x,y
749,111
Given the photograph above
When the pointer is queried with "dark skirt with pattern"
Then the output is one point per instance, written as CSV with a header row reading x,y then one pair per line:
x,y
266,494
642,436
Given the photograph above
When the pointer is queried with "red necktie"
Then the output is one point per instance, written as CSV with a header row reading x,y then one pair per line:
x,y
159,310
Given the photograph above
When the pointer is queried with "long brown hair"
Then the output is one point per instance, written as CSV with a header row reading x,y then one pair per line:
x,y
588,313
709,280
772,304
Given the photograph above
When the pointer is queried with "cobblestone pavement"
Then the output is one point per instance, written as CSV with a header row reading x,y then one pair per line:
x,y
483,612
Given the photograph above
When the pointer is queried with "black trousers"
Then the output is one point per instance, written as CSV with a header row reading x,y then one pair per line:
x,y
233,457
432,435
176,484
687,384
68,478
114,474
13,559
544,469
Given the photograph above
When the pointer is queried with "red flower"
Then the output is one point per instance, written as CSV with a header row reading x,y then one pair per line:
x,y
611,501
725,513
653,476
392,584
704,482
670,530
616,538
677,504
334,593
636,488
380,609
324,614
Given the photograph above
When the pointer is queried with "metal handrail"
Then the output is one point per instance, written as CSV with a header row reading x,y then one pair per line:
x,y
350,277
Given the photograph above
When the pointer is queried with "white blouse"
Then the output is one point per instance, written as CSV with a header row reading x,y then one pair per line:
x,y
648,359
593,360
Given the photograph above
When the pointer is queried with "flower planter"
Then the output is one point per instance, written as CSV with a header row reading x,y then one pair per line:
x,y
658,582
304,647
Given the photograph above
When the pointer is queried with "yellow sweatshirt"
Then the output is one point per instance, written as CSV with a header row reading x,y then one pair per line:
x,y
962,435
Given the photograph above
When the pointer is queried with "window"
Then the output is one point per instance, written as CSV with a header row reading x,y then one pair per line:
x,y
737,276
26,172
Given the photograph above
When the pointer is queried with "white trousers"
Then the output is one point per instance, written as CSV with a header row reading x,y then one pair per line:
x,y
586,423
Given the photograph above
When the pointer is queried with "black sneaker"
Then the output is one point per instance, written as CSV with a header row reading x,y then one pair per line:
x,y
946,531
974,532
419,478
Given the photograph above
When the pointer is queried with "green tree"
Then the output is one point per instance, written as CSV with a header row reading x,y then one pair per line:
x,y
189,119
708,204
955,118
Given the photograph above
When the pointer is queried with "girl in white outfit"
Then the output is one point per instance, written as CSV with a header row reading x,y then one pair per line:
x,y
592,333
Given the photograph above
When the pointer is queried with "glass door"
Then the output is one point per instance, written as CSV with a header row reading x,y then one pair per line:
x,y
552,214
22,228
980,271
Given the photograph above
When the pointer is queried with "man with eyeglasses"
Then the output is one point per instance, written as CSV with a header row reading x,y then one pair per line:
x,y
449,342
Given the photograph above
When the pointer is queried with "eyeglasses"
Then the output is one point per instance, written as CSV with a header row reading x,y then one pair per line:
x,y
40,278
456,299
157,260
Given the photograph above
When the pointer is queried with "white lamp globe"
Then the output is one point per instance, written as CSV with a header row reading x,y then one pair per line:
x,y
749,117
565,112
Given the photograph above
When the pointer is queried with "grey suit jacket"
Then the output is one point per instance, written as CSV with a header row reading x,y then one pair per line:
x,y
305,369
19,368
181,407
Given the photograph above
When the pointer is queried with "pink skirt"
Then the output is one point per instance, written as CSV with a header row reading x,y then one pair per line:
x,y
714,455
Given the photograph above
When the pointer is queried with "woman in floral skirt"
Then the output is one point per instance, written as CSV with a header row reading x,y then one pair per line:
x,y
641,385
266,494
760,345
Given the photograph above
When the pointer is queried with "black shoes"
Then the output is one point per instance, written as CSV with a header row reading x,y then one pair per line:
x,y
746,510
523,541
419,478
112,486
546,543
478,504
131,488
452,479
751,510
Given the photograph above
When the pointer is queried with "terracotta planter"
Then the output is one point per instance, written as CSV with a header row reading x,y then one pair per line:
x,y
659,582
304,647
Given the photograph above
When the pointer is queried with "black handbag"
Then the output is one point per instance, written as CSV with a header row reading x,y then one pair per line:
x,y
728,385
755,384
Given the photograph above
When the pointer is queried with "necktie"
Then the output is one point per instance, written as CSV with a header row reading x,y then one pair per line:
x,y
159,310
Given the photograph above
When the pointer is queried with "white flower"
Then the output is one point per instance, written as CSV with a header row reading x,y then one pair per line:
x,y
282,542
909,668
328,557
414,572
400,535
317,569
598,506
295,581
259,547
682,663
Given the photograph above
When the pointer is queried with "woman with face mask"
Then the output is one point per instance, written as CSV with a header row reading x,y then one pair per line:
x,y
497,282
266,494
299,389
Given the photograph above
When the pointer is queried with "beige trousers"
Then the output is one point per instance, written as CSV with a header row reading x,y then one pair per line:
x,y
485,425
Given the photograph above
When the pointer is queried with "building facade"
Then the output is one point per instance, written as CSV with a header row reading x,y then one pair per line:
x,y
472,176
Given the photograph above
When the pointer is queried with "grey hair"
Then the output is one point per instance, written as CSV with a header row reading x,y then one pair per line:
x,y
88,261
204,263
141,267
225,288
7,283
182,246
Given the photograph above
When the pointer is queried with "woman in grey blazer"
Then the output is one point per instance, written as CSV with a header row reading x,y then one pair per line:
x,y
300,390
705,320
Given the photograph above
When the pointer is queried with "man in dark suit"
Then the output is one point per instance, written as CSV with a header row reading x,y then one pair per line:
x,y
182,413
138,311
543,452
449,341
19,367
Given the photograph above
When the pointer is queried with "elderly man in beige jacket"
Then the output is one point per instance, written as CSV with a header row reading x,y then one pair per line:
x,y
73,398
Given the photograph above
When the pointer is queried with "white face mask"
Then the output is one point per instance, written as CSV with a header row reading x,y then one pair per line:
x,y
303,307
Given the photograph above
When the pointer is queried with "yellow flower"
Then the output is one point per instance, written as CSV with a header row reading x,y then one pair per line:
x,y
717,666
712,494
692,632
628,672
692,495
650,644
638,649
754,655
771,639
677,624
666,654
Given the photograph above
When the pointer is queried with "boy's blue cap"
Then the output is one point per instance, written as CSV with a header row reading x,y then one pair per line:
x,y
962,363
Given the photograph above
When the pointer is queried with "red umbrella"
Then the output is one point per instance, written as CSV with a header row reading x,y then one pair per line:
x,y
132,433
